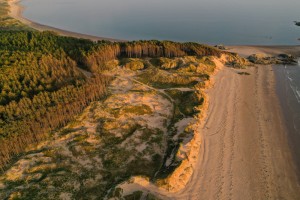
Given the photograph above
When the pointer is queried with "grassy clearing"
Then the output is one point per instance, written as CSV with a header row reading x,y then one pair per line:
x,y
133,110
161,79
177,72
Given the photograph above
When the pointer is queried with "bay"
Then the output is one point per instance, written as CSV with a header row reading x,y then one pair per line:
x,y
255,22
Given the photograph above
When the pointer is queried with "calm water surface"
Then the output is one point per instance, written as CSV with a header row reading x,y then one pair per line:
x,y
207,21
288,90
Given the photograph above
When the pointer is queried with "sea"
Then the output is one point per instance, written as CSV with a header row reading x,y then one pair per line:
x,y
229,22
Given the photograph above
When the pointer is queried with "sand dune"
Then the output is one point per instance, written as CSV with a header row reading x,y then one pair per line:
x,y
244,153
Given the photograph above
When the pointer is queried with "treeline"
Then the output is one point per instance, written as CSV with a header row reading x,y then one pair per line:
x,y
103,52
42,89
30,120
91,55
25,76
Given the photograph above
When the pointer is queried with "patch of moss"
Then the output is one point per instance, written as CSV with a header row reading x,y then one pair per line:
x,y
137,195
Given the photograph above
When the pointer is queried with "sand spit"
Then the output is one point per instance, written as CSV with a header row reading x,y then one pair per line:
x,y
245,51
16,11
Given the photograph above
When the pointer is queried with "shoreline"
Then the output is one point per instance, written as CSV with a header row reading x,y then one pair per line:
x,y
291,111
280,91
247,50
244,137
16,11
245,153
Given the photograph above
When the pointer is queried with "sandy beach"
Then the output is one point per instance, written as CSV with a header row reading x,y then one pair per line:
x,y
16,11
244,152
268,50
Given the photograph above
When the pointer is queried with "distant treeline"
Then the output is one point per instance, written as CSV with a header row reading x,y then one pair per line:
x,y
97,55
42,88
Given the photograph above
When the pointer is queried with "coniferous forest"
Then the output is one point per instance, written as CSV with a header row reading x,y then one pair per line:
x,y
42,87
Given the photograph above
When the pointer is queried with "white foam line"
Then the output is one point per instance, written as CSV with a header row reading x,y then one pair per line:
x,y
296,92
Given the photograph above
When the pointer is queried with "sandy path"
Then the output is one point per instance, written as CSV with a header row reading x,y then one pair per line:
x,y
244,153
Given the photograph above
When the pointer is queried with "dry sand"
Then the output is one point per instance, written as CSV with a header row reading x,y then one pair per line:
x,y
16,11
245,152
269,50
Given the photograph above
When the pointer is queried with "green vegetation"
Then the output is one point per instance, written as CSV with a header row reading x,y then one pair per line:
x,y
162,79
243,73
164,63
47,80
134,196
133,64
104,51
41,88
186,101
7,22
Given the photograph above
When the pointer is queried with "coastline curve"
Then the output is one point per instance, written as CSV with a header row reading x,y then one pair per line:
x,y
16,11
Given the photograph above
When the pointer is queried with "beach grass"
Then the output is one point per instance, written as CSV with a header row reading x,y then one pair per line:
x,y
7,22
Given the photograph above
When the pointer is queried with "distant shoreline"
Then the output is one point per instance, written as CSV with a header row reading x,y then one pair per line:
x,y
245,139
16,11
274,50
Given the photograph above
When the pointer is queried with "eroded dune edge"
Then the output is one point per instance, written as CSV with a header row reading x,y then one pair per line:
x,y
146,125
145,139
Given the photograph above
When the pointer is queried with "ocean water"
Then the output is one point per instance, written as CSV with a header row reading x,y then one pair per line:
x,y
288,90
266,22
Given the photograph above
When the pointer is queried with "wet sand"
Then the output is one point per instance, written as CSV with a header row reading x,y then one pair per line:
x,y
245,152
291,108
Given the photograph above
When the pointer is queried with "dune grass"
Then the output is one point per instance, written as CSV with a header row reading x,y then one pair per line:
x,y
7,22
